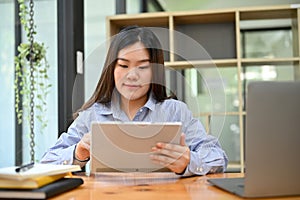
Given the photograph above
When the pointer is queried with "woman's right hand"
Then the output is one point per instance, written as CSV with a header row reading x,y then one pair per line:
x,y
82,151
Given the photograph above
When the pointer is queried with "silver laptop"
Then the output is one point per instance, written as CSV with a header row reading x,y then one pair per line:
x,y
272,142
126,147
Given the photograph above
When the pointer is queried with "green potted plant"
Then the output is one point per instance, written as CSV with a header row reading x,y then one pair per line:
x,y
31,78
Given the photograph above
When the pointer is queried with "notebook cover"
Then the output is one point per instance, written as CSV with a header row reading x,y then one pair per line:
x,y
31,183
50,190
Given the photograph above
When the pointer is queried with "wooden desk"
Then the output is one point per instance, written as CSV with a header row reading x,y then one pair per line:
x,y
155,188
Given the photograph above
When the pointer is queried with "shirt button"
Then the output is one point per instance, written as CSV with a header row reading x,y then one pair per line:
x,y
141,110
65,162
199,169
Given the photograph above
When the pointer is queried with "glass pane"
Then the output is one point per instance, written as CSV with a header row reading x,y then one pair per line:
x,y
132,6
204,119
267,73
211,90
45,15
267,44
7,117
229,136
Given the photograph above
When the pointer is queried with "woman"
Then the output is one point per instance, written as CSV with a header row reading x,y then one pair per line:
x,y
132,88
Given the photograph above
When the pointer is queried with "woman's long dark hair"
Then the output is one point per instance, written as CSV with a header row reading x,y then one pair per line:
x,y
126,37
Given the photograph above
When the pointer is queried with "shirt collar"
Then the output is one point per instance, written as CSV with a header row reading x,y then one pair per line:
x,y
104,109
115,102
150,104
114,106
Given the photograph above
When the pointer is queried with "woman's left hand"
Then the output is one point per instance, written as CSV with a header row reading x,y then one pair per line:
x,y
173,156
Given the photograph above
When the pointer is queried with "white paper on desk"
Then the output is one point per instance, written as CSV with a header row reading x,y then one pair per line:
x,y
36,171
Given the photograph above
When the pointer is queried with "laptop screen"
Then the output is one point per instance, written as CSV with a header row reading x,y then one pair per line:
x,y
272,148
272,141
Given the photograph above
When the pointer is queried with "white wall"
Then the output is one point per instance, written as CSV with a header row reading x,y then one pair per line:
x,y
95,12
7,118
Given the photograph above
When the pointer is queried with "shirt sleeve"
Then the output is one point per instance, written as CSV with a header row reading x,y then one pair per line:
x,y
207,156
62,151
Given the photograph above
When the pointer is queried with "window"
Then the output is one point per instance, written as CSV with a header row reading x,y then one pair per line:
x,y
46,21
7,118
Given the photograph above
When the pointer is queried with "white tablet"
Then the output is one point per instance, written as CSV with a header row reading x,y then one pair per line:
x,y
126,147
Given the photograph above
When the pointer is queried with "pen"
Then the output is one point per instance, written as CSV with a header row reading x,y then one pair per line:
x,y
24,168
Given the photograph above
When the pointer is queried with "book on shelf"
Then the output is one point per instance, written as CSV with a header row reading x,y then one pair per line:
x,y
45,192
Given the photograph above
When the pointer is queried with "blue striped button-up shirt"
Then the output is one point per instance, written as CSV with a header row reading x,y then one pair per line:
x,y
206,154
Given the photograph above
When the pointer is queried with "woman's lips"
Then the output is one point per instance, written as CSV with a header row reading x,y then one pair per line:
x,y
131,85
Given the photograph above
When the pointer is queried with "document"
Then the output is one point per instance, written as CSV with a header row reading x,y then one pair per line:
x,y
37,170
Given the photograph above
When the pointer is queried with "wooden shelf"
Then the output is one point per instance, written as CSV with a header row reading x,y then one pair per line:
x,y
270,61
117,22
219,114
219,32
202,63
268,14
204,17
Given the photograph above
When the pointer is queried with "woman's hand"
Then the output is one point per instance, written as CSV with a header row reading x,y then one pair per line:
x,y
82,151
175,157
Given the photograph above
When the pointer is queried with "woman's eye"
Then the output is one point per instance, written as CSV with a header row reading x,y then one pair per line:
x,y
123,66
144,67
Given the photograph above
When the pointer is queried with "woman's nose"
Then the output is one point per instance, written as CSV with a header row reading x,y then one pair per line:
x,y
133,74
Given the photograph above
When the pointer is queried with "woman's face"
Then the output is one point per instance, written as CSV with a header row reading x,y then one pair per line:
x,y
133,72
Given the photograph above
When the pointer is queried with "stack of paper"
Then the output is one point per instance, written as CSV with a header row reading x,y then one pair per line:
x,y
43,180
37,171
